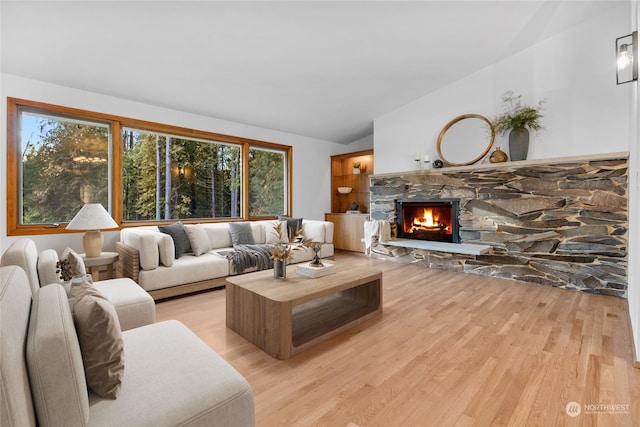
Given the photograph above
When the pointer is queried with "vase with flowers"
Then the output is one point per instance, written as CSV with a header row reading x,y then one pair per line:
x,y
282,253
356,168
518,120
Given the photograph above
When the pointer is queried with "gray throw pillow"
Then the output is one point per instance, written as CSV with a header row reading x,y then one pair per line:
x,y
179,236
241,233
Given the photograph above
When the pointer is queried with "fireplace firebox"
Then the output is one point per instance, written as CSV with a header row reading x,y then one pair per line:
x,y
428,219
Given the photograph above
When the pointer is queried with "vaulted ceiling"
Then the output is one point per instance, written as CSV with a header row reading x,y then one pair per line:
x,y
318,69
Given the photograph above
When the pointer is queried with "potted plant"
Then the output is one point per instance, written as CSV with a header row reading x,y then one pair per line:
x,y
518,120
356,168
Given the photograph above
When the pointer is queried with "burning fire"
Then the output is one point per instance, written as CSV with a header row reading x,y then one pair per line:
x,y
429,220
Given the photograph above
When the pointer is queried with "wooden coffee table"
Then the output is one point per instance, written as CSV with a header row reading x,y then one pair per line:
x,y
285,317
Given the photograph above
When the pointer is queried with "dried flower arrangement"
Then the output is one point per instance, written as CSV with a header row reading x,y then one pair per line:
x,y
284,251
63,268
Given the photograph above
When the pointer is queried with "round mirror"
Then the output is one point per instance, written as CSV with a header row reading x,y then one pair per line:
x,y
463,138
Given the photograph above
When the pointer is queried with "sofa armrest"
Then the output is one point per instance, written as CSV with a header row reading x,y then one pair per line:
x,y
128,264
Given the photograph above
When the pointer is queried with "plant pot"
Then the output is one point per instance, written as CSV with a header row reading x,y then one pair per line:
x,y
279,269
356,171
518,144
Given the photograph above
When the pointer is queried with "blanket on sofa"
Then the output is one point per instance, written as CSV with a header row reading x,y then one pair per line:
x,y
244,257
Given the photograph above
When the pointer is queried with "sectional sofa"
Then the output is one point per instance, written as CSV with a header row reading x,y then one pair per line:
x,y
148,256
171,377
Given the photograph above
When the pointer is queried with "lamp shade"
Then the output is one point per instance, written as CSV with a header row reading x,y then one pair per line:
x,y
92,216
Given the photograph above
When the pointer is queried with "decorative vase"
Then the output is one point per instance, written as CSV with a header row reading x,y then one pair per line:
x,y
498,156
279,269
519,144
356,171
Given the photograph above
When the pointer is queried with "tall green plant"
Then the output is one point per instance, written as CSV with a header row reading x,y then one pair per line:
x,y
517,116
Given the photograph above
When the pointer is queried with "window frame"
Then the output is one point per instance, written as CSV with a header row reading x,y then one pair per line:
x,y
117,123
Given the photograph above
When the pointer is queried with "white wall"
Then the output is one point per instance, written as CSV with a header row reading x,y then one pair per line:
x,y
585,113
633,294
311,157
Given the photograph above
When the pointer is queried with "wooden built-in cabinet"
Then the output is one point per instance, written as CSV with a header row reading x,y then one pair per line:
x,y
349,227
348,230
342,176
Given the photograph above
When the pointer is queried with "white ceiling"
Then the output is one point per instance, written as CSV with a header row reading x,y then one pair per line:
x,y
319,69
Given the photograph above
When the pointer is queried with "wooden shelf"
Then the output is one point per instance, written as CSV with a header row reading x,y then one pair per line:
x,y
342,176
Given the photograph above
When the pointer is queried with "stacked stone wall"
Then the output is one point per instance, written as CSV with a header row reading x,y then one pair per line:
x,y
562,225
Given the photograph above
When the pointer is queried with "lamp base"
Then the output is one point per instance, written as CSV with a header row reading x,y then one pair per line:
x,y
92,242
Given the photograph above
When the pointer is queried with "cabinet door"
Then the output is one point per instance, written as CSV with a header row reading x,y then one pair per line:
x,y
348,231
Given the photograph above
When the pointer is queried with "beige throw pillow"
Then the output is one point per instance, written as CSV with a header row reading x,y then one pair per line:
x,y
76,263
100,340
198,239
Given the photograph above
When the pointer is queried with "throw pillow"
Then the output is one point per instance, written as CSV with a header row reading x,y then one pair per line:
x,y
241,233
294,228
100,340
75,262
179,236
277,232
198,239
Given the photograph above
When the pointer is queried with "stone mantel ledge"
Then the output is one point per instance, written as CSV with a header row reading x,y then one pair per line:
x,y
510,165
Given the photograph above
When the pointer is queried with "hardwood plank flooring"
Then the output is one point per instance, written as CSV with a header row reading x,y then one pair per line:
x,y
449,349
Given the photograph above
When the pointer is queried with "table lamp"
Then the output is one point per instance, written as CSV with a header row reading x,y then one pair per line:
x,y
93,217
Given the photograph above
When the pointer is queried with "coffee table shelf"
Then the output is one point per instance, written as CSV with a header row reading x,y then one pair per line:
x,y
285,317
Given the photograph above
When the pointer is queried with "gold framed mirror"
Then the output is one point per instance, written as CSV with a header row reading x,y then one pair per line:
x,y
463,137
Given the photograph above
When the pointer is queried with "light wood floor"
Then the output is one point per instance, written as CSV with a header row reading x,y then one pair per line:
x,y
449,349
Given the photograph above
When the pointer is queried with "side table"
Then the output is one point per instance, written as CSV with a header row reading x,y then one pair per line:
x,y
93,264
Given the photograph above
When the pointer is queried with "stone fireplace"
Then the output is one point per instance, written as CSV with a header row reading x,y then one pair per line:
x,y
557,222
428,219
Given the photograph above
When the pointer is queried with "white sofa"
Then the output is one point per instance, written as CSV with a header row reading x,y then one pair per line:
x,y
146,256
171,377
134,306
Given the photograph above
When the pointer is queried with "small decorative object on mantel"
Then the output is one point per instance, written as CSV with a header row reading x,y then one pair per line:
x,y
354,207
518,119
437,163
498,156
356,168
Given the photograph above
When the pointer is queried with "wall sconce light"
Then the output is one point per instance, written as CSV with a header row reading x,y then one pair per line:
x,y
627,58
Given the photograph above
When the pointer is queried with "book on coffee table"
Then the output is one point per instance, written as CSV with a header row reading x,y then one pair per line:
x,y
315,272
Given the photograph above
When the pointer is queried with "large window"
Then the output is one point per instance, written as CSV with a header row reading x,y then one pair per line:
x,y
267,182
168,177
59,158
65,163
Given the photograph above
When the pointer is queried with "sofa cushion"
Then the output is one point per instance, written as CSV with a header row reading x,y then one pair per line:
x,y
58,384
24,254
100,340
47,267
198,239
314,231
15,302
134,306
76,263
193,386
187,269
179,236
166,248
276,232
144,241
241,233
219,235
